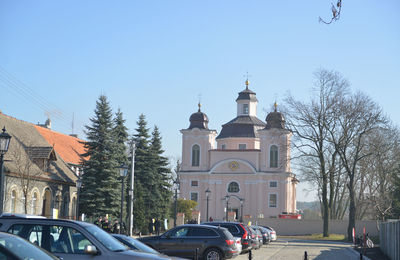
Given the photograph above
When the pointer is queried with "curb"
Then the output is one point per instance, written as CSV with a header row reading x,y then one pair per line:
x,y
358,254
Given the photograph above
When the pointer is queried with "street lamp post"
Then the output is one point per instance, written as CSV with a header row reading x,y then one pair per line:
x,y
78,189
132,182
4,144
241,209
176,182
123,170
227,201
208,198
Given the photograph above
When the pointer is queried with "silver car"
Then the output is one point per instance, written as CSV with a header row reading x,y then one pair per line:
x,y
70,240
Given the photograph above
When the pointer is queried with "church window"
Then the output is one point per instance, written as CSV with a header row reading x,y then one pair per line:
x,y
246,109
242,146
273,200
195,155
233,187
273,156
194,183
194,196
273,184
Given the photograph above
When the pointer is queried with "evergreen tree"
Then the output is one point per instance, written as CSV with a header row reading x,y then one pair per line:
x,y
162,173
145,183
120,134
100,194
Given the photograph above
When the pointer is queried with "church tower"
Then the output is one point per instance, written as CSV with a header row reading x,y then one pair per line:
x,y
197,140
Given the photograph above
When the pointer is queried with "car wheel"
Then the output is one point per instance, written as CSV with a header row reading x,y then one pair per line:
x,y
212,254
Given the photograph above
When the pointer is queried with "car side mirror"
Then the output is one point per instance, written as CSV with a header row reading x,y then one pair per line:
x,y
91,250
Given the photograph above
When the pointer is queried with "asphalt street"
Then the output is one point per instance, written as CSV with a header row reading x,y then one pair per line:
x,y
295,249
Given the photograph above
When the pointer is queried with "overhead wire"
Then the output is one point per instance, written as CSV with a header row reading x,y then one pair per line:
x,y
21,90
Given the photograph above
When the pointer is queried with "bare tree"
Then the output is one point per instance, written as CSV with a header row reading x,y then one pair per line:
x,y
357,116
26,172
311,124
384,143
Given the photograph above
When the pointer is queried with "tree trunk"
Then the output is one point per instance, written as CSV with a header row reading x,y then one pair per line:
x,y
325,205
352,209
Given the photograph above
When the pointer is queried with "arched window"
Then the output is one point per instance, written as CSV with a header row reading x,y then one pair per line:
x,y
195,155
273,156
233,187
65,206
34,203
13,200
74,207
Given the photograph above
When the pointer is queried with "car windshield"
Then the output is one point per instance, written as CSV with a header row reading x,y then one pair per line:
x,y
137,245
106,239
24,249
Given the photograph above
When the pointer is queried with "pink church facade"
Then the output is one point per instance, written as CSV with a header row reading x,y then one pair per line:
x,y
245,168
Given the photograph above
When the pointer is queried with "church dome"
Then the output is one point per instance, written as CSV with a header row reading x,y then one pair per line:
x,y
275,120
247,94
198,120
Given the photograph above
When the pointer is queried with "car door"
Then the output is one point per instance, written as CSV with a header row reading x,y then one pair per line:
x,y
63,241
199,238
172,242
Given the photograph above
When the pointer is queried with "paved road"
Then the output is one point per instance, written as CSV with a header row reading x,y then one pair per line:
x,y
294,249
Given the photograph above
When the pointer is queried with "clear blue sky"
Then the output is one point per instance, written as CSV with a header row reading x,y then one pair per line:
x,y
157,57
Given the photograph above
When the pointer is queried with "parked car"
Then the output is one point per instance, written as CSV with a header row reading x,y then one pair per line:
x,y
209,242
68,239
237,230
265,234
272,233
255,242
259,235
16,248
238,242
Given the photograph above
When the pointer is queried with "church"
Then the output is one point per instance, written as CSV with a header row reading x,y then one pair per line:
x,y
242,171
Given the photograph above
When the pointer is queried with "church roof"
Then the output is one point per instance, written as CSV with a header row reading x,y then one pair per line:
x,y
198,120
241,126
275,119
247,94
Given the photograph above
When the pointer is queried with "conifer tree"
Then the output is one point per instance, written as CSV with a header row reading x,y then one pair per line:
x,y
100,194
120,134
162,173
144,177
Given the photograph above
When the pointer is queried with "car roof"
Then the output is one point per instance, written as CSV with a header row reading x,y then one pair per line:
x,y
40,218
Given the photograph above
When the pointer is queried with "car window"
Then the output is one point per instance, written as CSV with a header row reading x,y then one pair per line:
x,y
232,228
106,239
22,249
56,239
202,232
179,232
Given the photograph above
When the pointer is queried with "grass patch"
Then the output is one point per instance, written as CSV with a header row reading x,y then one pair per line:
x,y
332,237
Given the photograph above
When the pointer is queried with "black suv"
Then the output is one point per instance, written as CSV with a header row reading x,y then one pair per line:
x,y
69,240
208,242
237,230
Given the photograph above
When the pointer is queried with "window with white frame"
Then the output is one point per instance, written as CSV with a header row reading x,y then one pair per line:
x,y
273,200
273,156
273,184
242,146
194,196
246,109
194,183
34,203
195,155
13,201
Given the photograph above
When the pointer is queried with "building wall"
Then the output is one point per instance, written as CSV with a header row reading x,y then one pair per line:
x,y
59,194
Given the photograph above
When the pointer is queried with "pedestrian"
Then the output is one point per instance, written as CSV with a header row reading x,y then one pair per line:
x,y
211,219
116,227
150,227
105,225
98,221
157,225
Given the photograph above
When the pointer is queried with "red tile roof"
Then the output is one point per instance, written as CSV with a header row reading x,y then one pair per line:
x,y
68,147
